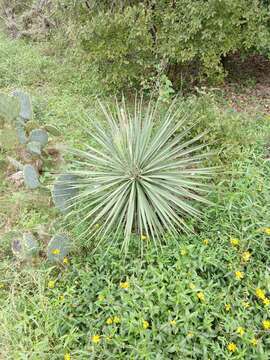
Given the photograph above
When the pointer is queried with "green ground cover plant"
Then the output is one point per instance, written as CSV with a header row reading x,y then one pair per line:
x,y
204,296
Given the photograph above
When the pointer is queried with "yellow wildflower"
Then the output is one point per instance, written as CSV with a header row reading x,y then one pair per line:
x,y
109,321
240,331
206,241
246,256
246,304
51,284
95,339
145,324
232,347
173,322
124,285
234,242
266,301
200,296
116,320
266,324
67,356
267,231
228,307
190,334
260,294
183,252
143,237
254,342
239,275
101,297
65,261
62,297
192,286
56,251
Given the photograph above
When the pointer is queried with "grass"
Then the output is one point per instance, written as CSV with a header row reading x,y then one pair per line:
x,y
186,302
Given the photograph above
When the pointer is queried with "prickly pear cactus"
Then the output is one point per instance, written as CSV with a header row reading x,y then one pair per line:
x,y
24,246
39,135
21,133
34,148
58,248
30,177
9,107
52,130
64,191
26,112
16,164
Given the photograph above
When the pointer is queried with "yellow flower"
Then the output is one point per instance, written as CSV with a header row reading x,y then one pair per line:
x,y
124,285
246,304
95,339
145,324
266,301
267,231
67,356
101,297
65,260
266,324
109,321
173,322
190,334
192,286
240,331
206,241
143,237
260,294
62,297
200,296
183,252
254,342
239,275
232,347
56,251
246,256
116,320
228,307
51,284
234,242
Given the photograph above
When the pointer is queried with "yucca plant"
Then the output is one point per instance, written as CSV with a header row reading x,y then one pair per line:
x,y
143,176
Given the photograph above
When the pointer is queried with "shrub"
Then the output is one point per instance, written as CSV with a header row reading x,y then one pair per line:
x,y
135,43
142,177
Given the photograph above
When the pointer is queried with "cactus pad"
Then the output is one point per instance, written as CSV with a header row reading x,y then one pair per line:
x,y
30,177
24,246
39,135
16,164
9,107
64,191
21,133
58,248
34,148
26,112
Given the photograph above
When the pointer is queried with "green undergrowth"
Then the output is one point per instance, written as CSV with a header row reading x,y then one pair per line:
x,y
190,300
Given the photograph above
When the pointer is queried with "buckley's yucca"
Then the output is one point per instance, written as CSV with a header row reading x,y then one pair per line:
x,y
143,175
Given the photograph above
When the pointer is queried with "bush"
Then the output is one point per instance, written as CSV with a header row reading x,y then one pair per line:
x,y
134,45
